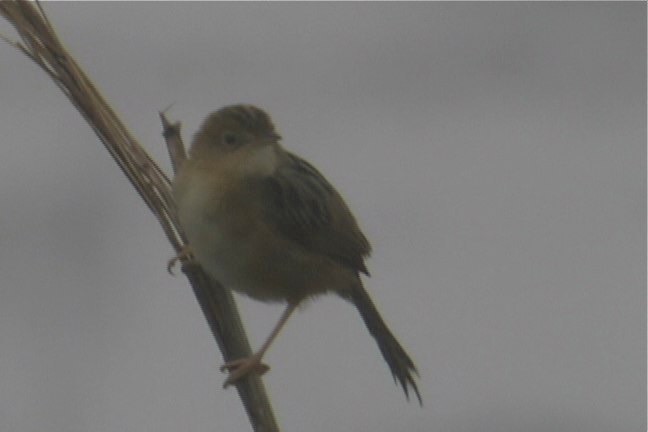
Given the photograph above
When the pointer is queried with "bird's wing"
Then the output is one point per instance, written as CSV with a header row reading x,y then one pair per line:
x,y
305,208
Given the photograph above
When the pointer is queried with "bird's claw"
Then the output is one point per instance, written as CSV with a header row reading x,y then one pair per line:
x,y
183,255
242,367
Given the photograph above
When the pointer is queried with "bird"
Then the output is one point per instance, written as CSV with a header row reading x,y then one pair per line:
x,y
266,223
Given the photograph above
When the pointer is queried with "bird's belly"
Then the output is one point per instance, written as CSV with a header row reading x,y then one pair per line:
x,y
248,259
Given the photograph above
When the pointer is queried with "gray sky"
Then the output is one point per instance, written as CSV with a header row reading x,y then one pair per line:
x,y
493,153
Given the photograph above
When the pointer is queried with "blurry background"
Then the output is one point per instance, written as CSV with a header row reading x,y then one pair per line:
x,y
493,153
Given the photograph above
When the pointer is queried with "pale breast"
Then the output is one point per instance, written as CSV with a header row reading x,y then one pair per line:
x,y
199,196
220,226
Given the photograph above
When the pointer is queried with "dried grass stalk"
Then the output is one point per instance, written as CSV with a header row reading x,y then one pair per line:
x,y
40,43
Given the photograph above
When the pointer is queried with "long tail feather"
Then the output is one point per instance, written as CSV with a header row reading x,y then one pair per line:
x,y
399,362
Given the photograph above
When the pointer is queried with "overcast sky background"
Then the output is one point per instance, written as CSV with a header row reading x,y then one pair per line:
x,y
494,154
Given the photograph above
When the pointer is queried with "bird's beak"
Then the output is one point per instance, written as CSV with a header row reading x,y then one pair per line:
x,y
273,137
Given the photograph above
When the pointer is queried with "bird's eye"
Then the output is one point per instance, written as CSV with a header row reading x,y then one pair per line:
x,y
230,138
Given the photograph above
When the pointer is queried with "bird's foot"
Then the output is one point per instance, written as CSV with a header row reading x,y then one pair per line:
x,y
183,255
242,367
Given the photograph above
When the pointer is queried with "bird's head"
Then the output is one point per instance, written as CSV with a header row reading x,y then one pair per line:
x,y
241,134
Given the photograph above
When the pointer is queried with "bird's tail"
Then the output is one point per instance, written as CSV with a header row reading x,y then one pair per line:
x,y
401,365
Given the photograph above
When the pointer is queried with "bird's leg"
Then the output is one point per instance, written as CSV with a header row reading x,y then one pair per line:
x,y
183,255
241,367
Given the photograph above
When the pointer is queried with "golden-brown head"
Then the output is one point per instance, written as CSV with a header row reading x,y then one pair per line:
x,y
232,129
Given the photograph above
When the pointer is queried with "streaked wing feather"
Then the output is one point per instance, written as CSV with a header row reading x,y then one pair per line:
x,y
307,209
